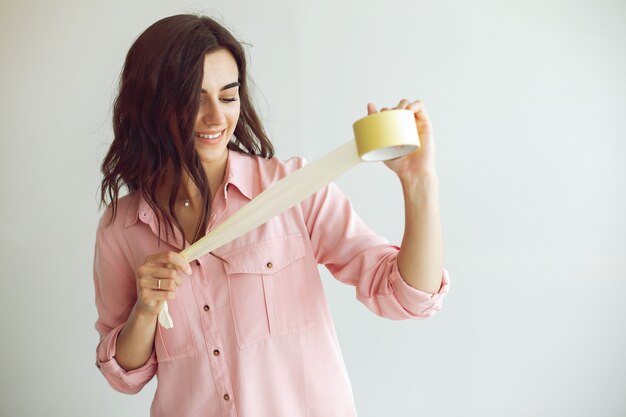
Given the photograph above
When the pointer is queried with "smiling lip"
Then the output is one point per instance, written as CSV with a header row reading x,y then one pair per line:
x,y
209,135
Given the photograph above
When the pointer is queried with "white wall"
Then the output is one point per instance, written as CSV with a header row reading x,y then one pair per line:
x,y
528,99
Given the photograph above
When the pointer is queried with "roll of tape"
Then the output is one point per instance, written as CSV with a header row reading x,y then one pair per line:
x,y
377,137
386,135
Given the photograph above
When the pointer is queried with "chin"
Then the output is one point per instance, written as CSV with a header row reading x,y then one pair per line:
x,y
212,156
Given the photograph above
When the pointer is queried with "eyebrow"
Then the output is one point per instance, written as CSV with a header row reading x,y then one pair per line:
x,y
226,87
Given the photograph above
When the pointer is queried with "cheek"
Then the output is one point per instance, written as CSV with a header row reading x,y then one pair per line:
x,y
233,117
198,124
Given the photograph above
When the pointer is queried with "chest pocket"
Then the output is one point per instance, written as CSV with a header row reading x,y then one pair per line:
x,y
267,285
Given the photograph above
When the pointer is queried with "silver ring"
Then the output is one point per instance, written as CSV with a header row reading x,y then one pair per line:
x,y
158,284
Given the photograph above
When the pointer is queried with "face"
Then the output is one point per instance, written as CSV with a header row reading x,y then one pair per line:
x,y
219,108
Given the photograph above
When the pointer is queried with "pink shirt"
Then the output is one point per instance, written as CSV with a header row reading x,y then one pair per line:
x,y
252,337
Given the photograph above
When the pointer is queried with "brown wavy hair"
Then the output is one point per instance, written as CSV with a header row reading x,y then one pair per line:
x,y
156,108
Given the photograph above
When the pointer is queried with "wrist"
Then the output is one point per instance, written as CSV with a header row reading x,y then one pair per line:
x,y
423,182
143,312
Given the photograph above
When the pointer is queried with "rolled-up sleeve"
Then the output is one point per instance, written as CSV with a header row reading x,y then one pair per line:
x,y
128,382
355,255
116,294
417,304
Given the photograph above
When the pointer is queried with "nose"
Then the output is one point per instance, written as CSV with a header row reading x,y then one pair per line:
x,y
211,114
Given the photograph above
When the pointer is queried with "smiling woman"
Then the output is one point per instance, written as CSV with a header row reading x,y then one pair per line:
x,y
197,73
253,333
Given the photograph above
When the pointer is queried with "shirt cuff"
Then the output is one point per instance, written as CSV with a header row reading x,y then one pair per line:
x,y
419,304
129,382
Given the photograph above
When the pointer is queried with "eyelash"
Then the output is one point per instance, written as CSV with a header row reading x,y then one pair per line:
x,y
223,100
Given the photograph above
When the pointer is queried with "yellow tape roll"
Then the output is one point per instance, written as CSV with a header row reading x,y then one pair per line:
x,y
386,135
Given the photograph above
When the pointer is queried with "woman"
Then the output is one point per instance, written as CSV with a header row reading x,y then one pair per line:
x,y
253,335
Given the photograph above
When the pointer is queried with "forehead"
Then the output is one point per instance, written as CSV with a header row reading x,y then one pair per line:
x,y
220,68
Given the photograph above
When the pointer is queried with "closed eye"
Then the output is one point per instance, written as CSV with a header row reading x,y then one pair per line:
x,y
223,100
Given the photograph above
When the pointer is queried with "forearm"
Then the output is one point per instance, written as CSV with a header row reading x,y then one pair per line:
x,y
420,260
136,340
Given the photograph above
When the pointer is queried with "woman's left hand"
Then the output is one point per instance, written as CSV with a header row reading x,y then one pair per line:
x,y
420,163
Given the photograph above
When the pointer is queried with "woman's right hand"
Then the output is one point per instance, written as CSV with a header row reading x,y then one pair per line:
x,y
157,280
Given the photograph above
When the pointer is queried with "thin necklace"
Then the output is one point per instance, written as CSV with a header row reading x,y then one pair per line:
x,y
187,200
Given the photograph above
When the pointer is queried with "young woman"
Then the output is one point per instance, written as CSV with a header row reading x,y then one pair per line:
x,y
253,335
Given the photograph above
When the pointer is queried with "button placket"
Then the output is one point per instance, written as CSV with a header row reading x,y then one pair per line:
x,y
212,337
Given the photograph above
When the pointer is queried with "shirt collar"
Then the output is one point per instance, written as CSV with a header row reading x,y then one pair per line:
x,y
135,209
238,173
139,209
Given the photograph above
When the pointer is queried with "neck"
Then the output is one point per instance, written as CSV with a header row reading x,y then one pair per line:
x,y
215,171
188,191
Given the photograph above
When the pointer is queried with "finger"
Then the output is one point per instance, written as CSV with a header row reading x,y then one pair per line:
x,y
402,104
421,115
177,273
179,262
156,284
173,258
161,272
150,296
384,109
371,108
161,284
416,106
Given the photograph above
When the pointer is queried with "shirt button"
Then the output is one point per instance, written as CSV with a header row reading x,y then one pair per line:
x,y
216,352
206,308
226,397
197,262
269,265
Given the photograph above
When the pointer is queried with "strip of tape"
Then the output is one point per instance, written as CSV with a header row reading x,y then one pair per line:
x,y
377,137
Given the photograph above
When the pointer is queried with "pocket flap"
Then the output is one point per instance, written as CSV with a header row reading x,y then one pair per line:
x,y
266,257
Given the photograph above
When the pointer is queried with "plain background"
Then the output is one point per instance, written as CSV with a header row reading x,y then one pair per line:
x,y
528,101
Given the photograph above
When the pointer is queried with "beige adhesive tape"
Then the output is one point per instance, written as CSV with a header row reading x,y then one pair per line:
x,y
378,137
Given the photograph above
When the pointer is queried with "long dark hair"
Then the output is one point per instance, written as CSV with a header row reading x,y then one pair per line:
x,y
156,108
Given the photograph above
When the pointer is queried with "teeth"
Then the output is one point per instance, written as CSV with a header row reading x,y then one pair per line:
x,y
207,136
